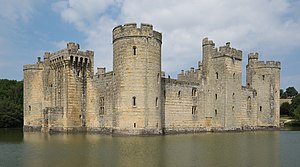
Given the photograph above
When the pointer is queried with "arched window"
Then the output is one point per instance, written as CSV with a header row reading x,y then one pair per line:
x,y
260,108
156,102
29,108
134,50
217,75
216,96
134,100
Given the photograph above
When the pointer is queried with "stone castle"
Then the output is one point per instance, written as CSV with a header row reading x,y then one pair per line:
x,y
62,93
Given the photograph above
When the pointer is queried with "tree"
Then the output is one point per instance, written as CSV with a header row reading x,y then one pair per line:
x,y
285,108
291,92
11,103
297,113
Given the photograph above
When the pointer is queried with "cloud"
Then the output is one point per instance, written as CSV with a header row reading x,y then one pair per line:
x,y
16,10
269,27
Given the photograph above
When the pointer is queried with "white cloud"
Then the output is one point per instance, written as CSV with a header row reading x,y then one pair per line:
x,y
267,26
16,10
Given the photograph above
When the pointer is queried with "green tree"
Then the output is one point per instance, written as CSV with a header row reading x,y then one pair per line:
x,y
291,92
285,109
297,113
11,103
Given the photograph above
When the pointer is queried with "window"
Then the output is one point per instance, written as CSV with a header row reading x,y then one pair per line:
x,y
249,104
216,96
217,75
134,50
232,109
216,112
233,75
134,125
263,77
233,95
260,108
29,108
194,92
179,92
156,102
194,110
101,105
134,100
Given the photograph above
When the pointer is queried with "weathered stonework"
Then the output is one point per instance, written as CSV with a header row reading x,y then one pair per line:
x,y
62,93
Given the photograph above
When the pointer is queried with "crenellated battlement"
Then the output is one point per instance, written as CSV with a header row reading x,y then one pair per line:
x,y
268,64
253,62
206,42
253,55
131,30
229,52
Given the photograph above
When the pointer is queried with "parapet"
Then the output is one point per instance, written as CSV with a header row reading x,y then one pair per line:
x,y
131,30
206,42
229,52
268,64
73,46
253,55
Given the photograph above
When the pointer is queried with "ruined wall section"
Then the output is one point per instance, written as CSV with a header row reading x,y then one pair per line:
x,y
137,67
264,77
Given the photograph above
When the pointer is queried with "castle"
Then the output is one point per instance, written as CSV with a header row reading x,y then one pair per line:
x,y
62,93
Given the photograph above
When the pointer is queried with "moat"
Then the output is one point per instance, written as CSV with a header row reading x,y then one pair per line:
x,y
259,148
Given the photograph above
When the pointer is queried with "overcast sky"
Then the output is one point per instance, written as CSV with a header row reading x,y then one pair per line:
x,y
269,27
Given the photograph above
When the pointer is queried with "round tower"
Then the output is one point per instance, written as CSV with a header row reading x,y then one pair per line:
x,y
137,67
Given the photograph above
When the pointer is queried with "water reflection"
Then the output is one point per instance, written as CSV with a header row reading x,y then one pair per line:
x,y
207,149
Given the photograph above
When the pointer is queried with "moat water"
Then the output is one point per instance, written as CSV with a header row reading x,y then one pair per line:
x,y
260,148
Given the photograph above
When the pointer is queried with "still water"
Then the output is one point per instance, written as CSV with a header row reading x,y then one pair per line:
x,y
261,148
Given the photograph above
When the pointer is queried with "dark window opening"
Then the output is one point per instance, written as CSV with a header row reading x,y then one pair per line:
x,y
29,108
134,125
248,84
260,108
263,77
194,92
134,50
134,100
232,95
216,112
179,92
232,109
216,96
233,75
156,102
217,75
194,110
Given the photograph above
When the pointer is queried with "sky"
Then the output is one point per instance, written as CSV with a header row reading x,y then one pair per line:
x,y
270,27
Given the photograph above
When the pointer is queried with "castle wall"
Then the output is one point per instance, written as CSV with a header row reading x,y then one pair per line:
x,y
182,106
33,96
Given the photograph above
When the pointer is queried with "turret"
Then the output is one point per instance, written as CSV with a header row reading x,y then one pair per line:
x,y
137,68
264,77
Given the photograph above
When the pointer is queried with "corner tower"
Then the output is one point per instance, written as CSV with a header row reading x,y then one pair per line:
x,y
264,77
137,67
